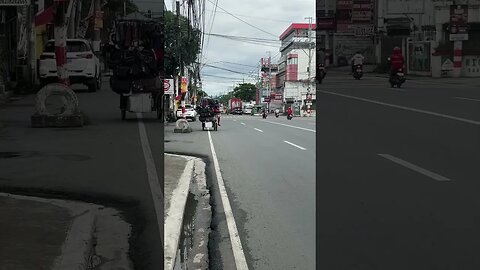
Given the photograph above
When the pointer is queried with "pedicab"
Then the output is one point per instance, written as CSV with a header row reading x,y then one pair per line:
x,y
209,113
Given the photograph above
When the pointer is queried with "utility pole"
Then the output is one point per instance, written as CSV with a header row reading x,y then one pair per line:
x,y
269,85
309,51
61,42
96,34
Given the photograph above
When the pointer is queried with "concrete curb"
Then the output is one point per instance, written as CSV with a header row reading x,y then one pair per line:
x,y
174,217
194,176
78,247
80,250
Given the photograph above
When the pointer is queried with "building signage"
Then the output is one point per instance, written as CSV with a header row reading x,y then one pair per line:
x,y
14,2
356,16
458,22
168,86
184,85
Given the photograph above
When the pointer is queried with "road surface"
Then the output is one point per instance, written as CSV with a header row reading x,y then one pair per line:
x,y
268,167
398,174
102,162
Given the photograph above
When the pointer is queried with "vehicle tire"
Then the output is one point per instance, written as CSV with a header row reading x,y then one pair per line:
x,y
92,87
215,126
194,119
124,114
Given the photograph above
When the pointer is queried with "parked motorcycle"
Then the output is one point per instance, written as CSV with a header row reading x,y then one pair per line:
x,y
397,78
358,72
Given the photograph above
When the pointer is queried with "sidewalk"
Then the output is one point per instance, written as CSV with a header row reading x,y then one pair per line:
x,y
40,233
187,206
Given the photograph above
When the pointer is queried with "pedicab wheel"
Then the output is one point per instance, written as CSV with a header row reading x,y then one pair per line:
x,y
124,114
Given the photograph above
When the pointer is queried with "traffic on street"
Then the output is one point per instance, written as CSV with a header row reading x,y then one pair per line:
x,y
397,173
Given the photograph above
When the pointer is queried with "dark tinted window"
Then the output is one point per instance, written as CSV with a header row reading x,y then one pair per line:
x,y
72,46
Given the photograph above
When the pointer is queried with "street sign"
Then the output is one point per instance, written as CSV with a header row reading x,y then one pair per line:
x,y
447,65
168,86
14,2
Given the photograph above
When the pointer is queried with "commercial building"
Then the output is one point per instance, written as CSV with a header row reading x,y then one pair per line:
x,y
296,67
438,37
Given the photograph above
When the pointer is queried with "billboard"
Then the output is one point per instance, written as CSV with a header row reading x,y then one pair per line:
x,y
458,22
356,17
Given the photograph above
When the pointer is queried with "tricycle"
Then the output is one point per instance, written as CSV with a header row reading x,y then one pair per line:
x,y
136,61
209,112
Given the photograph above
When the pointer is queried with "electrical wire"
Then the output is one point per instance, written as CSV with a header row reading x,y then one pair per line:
x,y
253,17
243,20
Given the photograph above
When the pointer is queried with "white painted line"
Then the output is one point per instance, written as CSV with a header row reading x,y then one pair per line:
x,y
311,130
398,89
404,108
174,216
153,180
242,123
414,167
470,99
240,260
292,144
259,130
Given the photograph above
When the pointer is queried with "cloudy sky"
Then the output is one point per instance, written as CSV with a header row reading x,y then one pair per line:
x,y
271,16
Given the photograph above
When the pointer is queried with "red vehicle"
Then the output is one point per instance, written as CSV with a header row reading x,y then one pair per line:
x,y
235,106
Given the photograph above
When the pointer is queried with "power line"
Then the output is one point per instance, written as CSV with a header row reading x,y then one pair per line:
x,y
245,38
244,21
226,69
253,17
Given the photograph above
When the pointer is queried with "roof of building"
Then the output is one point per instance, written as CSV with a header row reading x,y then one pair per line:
x,y
295,26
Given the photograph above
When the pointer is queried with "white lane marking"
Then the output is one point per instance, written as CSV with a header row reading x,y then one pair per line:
x,y
242,123
397,89
292,144
259,130
414,167
311,130
404,108
174,216
240,260
470,99
153,180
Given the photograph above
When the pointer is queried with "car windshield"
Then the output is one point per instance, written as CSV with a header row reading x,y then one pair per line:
x,y
72,46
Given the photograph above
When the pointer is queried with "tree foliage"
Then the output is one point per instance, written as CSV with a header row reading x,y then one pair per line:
x,y
245,91
185,43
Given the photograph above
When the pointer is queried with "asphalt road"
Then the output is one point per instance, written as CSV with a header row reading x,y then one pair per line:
x,y
398,174
102,162
268,167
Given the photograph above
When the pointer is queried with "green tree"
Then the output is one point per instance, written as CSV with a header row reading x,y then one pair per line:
x,y
185,44
245,91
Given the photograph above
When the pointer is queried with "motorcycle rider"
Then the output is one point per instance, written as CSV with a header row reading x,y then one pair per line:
x,y
289,112
216,111
396,61
357,59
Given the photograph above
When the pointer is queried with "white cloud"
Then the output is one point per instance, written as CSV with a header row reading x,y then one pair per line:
x,y
273,16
